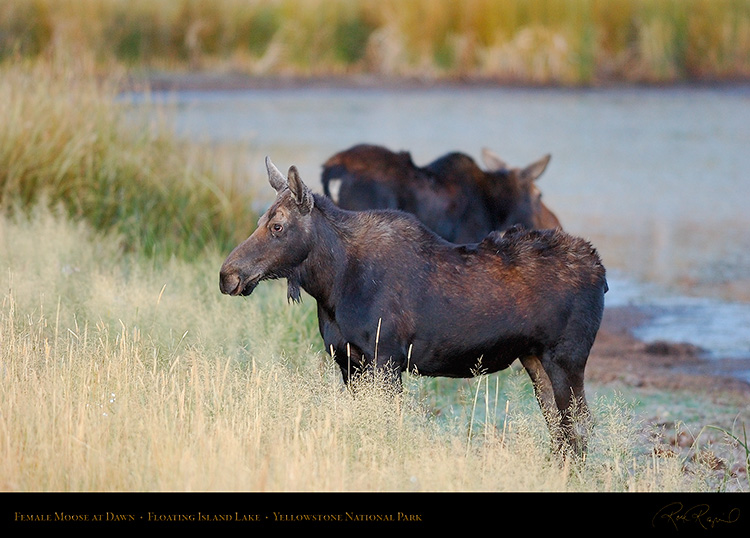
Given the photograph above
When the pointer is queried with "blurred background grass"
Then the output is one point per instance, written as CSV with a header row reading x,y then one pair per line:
x,y
569,42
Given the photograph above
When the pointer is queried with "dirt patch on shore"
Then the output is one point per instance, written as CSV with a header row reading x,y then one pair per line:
x,y
618,357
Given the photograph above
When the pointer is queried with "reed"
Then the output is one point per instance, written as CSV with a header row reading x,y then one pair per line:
x,y
520,41
740,440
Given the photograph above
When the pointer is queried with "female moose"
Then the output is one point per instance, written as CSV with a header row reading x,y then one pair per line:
x,y
393,295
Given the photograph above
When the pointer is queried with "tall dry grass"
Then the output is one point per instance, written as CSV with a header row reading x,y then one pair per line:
x,y
525,41
120,375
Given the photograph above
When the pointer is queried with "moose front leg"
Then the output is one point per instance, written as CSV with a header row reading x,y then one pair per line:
x,y
348,357
356,367
389,356
372,353
349,360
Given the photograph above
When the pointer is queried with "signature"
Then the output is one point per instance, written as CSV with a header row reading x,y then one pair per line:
x,y
678,514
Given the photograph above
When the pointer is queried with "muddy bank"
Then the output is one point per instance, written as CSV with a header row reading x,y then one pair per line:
x,y
618,357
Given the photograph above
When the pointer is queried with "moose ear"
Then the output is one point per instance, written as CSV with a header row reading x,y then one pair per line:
x,y
275,178
302,194
534,170
492,161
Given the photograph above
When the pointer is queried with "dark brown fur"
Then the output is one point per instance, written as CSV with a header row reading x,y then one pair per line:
x,y
452,196
392,295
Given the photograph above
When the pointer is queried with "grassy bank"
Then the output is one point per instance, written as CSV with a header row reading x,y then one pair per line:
x,y
118,375
519,41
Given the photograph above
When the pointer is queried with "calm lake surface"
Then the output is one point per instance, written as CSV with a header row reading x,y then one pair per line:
x,y
657,179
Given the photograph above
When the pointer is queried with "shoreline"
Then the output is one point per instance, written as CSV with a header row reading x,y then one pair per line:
x,y
619,357
201,81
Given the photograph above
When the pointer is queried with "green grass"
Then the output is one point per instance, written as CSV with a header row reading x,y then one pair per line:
x,y
521,41
68,140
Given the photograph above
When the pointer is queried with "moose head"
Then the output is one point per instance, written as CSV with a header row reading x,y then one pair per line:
x,y
279,244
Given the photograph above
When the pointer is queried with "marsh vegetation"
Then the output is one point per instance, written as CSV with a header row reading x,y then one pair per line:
x,y
529,42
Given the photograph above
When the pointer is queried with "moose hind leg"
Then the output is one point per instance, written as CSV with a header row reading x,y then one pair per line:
x,y
545,396
566,379
542,386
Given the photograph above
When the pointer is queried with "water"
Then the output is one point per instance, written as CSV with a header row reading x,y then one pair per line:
x,y
657,179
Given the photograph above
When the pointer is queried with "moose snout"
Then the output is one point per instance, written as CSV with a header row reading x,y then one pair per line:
x,y
234,280
230,282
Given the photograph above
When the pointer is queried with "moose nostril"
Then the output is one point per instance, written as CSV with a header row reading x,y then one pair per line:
x,y
229,283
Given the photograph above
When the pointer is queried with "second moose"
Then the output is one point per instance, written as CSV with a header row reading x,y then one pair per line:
x,y
452,196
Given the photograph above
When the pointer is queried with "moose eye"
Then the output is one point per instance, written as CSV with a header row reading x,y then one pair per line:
x,y
276,228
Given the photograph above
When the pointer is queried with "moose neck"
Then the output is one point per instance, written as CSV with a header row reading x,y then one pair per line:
x,y
317,274
501,199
